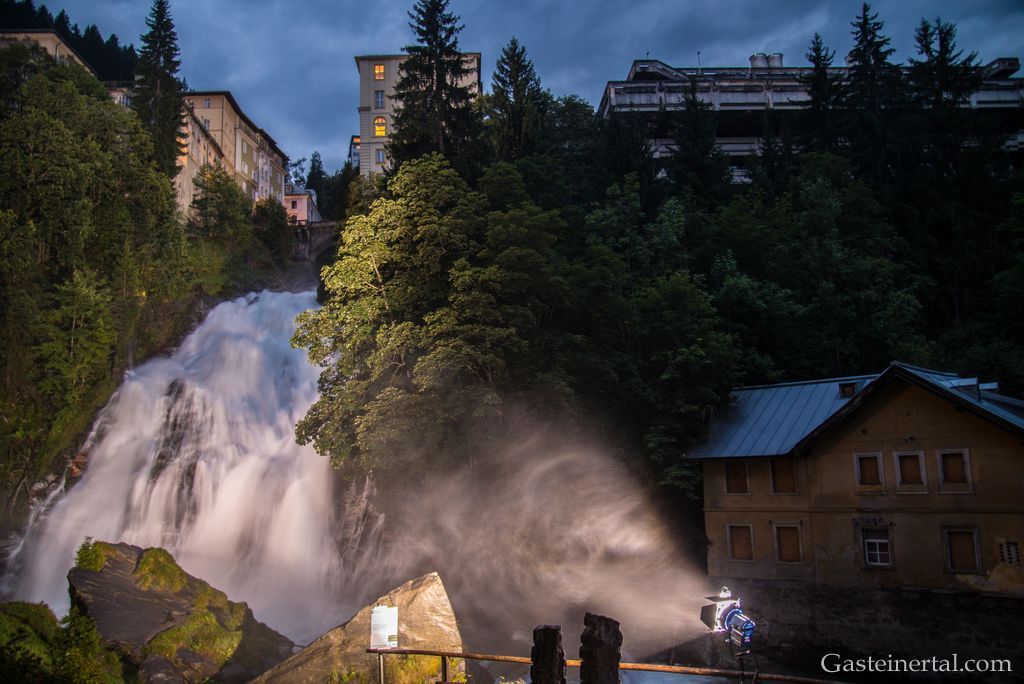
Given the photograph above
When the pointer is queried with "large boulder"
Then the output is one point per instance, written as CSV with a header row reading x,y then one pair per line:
x,y
425,620
174,627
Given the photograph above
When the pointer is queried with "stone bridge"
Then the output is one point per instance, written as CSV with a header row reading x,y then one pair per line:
x,y
311,239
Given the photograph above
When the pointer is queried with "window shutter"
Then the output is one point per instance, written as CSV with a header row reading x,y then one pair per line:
x,y
788,541
954,468
869,474
742,547
961,551
910,469
783,476
736,477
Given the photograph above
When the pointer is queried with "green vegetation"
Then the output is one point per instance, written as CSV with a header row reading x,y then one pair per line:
x,y
157,89
34,647
157,571
111,60
97,268
201,633
92,555
553,270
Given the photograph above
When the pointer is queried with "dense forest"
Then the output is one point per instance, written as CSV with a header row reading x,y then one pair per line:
x,y
529,261
98,268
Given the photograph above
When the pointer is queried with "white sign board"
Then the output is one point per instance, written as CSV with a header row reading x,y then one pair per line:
x,y
384,627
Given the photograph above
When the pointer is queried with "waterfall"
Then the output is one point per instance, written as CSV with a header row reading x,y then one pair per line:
x,y
197,454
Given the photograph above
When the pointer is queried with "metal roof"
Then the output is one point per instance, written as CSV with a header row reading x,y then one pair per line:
x,y
769,420
774,420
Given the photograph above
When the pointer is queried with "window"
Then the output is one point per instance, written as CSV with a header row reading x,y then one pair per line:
x,y
910,471
380,156
954,470
1009,552
295,204
206,102
741,542
787,544
736,476
206,124
869,470
962,550
783,476
877,547
378,99
380,127
378,72
847,389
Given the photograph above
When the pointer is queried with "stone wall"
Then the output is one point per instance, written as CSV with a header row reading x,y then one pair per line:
x,y
798,623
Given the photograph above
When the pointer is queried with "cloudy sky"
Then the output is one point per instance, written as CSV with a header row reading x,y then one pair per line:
x,y
290,63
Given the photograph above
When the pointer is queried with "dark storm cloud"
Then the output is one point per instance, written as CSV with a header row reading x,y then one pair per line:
x,y
290,64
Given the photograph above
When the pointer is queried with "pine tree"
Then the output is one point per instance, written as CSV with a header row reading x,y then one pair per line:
x,y
874,85
826,97
315,177
158,90
515,102
434,108
699,167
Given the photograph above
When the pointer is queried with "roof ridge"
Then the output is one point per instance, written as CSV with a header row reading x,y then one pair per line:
x,y
796,383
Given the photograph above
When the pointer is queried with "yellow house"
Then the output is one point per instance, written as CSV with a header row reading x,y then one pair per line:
x,y
909,479
250,154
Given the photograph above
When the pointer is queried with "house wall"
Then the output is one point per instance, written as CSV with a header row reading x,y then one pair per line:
x,y
199,148
831,510
371,145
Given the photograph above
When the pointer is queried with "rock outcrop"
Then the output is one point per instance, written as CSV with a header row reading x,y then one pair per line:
x,y
170,625
425,620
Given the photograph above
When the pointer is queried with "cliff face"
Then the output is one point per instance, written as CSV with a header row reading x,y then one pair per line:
x,y
425,620
173,627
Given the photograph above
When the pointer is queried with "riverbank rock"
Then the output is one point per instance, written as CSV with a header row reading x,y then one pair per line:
x,y
170,625
425,620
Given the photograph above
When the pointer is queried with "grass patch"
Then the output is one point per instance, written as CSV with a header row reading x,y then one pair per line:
x,y
200,633
157,571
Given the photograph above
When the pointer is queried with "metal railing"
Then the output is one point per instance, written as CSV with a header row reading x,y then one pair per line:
x,y
445,656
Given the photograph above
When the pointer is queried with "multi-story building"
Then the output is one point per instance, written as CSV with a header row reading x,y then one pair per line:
x,y
909,479
250,154
300,204
50,41
199,148
353,151
742,96
378,76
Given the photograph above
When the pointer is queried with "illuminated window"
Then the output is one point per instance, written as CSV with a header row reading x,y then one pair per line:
x,y
736,477
378,99
877,548
378,72
741,542
380,127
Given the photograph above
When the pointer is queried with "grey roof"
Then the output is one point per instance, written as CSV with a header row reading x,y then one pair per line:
x,y
775,420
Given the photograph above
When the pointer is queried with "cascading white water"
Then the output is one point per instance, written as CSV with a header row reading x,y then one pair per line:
x,y
198,455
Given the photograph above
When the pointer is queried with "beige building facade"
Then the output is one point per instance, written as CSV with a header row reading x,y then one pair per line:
x,y
378,77
249,153
912,480
200,148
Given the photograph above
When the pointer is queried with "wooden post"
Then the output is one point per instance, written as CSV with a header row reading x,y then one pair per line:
x,y
547,657
444,668
380,667
601,643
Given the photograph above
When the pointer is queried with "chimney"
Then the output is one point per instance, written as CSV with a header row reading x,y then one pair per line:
x,y
759,60
775,60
